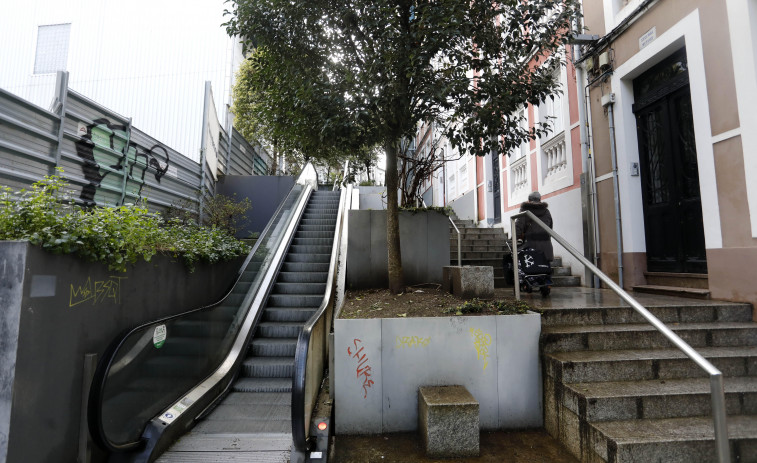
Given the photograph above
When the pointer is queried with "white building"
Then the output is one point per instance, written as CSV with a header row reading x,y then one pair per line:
x,y
146,60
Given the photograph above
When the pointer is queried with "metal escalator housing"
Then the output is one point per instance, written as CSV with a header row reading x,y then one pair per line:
x,y
139,398
312,345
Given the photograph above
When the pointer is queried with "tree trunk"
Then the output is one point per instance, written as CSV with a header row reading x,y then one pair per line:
x,y
396,278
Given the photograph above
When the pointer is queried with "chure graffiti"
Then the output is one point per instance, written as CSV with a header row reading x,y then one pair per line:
x,y
481,342
103,147
411,341
363,369
96,291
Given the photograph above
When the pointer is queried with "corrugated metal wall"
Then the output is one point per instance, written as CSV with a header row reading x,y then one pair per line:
x,y
106,161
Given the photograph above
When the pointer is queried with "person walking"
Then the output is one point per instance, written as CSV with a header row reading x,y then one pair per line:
x,y
527,232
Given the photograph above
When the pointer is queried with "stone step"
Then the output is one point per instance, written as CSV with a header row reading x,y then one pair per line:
x,y
695,293
705,312
495,242
656,399
671,440
681,280
645,336
647,364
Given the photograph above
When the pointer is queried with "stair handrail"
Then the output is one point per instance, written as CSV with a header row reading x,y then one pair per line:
x,y
155,427
309,357
717,391
457,230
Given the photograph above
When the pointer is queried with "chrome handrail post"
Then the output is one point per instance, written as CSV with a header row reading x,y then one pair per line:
x,y
719,418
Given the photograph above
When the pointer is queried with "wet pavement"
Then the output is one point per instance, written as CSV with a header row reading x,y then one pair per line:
x,y
580,297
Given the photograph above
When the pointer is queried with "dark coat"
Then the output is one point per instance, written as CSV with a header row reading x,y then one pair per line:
x,y
532,234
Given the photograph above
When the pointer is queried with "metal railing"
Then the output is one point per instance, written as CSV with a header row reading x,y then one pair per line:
x,y
716,377
312,345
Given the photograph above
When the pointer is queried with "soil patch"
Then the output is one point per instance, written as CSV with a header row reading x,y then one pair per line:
x,y
424,301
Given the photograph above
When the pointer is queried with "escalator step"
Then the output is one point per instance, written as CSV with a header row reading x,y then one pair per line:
x,y
305,267
279,329
313,241
303,277
309,249
268,367
273,347
299,288
290,300
263,385
315,234
312,258
288,314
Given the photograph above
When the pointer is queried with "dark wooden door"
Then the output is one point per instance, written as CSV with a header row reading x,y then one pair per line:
x,y
496,190
670,179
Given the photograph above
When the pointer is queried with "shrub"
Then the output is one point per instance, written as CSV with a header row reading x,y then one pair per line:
x,y
501,307
46,217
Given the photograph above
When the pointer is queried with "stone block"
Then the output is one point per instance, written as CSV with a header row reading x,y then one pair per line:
x,y
469,281
448,420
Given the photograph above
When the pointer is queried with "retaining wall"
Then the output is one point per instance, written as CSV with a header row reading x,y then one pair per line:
x,y
56,309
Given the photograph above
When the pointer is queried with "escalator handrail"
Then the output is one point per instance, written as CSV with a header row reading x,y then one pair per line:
x,y
96,397
299,426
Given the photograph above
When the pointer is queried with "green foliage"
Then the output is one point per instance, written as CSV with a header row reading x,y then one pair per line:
x,y
117,236
446,210
501,307
226,213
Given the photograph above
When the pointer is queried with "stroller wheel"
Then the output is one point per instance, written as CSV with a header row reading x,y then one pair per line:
x,y
545,291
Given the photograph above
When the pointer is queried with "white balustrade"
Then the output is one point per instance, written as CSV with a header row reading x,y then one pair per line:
x,y
555,157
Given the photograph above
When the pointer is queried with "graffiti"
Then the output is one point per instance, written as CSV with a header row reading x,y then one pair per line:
x,y
362,369
104,148
481,342
411,341
96,292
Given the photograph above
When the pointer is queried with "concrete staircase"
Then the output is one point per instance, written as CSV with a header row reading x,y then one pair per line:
x,y
486,247
615,390
693,285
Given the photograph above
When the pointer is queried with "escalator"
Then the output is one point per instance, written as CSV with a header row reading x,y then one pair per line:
x,y
227,371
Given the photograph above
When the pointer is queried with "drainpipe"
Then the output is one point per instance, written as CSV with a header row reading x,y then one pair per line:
x,y
608,101
586,158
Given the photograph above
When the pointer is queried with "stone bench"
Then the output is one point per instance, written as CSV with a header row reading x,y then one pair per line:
x,y
448,420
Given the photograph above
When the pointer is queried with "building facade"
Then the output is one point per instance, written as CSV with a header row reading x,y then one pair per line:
x,y
671,91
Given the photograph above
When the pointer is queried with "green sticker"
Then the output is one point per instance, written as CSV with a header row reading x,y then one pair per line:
x,y
159,336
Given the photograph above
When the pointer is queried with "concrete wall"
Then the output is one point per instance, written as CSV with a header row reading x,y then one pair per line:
x,y
424,242
379,364
372,197
265,194
56,309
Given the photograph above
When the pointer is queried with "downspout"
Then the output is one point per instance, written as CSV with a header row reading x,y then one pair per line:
x,y
608,101
587,161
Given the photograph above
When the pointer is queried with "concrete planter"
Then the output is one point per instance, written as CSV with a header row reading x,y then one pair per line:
x,y
424,243
57,308
380,364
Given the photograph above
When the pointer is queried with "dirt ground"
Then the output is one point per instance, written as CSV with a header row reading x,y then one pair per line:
x,y
420,301
532,446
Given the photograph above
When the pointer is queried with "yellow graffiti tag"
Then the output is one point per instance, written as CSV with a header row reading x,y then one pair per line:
x,y
481,342
96,292
411,341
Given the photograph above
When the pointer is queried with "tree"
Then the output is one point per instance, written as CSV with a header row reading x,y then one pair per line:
x,y
370,70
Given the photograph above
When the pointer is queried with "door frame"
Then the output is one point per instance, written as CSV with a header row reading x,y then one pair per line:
x,y
684,33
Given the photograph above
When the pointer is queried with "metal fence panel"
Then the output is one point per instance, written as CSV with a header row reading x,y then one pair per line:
x,y
106,161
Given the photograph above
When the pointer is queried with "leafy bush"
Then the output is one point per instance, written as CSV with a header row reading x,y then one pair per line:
x,y
47,217
226,212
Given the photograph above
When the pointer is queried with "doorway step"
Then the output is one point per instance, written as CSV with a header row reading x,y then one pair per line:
x,y
693,285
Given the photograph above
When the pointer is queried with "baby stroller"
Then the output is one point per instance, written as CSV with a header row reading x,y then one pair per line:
x,y
534,271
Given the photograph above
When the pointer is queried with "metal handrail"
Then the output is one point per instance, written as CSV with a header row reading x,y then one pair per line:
x,y
304,359
457,230
716,377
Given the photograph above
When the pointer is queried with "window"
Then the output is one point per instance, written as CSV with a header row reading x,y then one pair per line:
x,y
523,149
551,110
52,48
